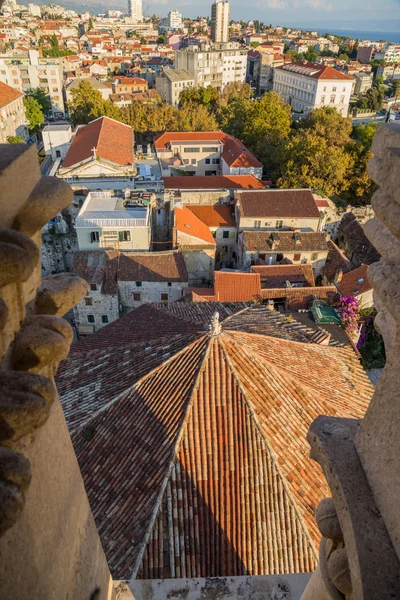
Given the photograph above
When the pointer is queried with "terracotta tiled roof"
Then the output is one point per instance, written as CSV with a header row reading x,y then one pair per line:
x,y
355,282
352,231
276,276
113,142
234,153
278,203
98,266
285,241
186,222
315,71
336,261
234,287
217,182
152,266
8,94
216,215
201,467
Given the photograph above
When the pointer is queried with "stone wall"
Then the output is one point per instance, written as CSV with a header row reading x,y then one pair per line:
x,y
102,305
49,545
150,291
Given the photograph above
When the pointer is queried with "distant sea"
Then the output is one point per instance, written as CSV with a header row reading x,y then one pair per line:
x,y
374,36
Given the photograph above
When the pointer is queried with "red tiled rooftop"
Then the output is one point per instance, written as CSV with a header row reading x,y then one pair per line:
x,y
274,276
187,223
113,142
216,215
278,203
8,94
315,71
234,153
204,437
216,182
355,282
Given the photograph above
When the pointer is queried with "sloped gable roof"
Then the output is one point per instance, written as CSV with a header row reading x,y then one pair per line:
x,y
8,94
188,223
113,141
211,442
278,203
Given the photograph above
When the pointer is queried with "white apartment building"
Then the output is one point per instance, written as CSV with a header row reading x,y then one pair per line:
x,y
57,140
220,18
107,221
171,82
305,86
135,10
30,71
174,19
34,10
216,67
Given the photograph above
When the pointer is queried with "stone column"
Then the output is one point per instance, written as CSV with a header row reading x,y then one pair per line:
x,y
49,546
360,524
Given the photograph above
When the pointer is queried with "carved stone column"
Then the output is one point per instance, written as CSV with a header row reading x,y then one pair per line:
x,y
360,524
49,546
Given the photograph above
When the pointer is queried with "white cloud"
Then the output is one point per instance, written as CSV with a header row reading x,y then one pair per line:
x,y
280,4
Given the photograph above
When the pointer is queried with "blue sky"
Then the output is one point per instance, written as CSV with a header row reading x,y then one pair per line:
x,y
288,12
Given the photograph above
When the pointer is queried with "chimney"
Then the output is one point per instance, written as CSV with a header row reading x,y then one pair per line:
x,y
338,277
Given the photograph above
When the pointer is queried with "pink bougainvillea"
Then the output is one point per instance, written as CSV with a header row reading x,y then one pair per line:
x,y
349,310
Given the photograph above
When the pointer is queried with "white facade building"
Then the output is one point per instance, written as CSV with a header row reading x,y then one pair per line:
x,y
305,86
174,19
31,71
106,221
13,120
57,140
220,19
135,10
216,67
34,10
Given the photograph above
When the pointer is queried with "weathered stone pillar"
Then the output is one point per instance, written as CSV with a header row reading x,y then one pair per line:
x,y
360,524
49,546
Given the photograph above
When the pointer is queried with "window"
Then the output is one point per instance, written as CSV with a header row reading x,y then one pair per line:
x,y
333,99
322,99
88,302
164,297
314,256
215,161
334,89
90,318
209,149
324,88
169,284
136,297
341,99
257,224
267,224
279,224
191,150
94,236
138,284
210,173
186,161
93,287
297,257
124,236
207,161
225,234
193,161
104,318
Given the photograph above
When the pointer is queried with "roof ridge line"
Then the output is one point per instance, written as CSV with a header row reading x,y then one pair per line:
x,y
269,449
135,385
171,462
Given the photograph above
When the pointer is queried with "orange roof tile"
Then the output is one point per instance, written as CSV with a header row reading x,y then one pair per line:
x,y
206,435
234,152
186,222
275,276
216,215
355,282
112,140
315,71
278,203
8,94
216,182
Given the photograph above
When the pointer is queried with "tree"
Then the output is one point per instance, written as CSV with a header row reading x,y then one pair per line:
x,y
311,55
396,88
262,124
312,163
235,90
41,98
327,123
344,57
15,139
254,44
90,24
86,104
196,117
199,95
161,39
34,114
